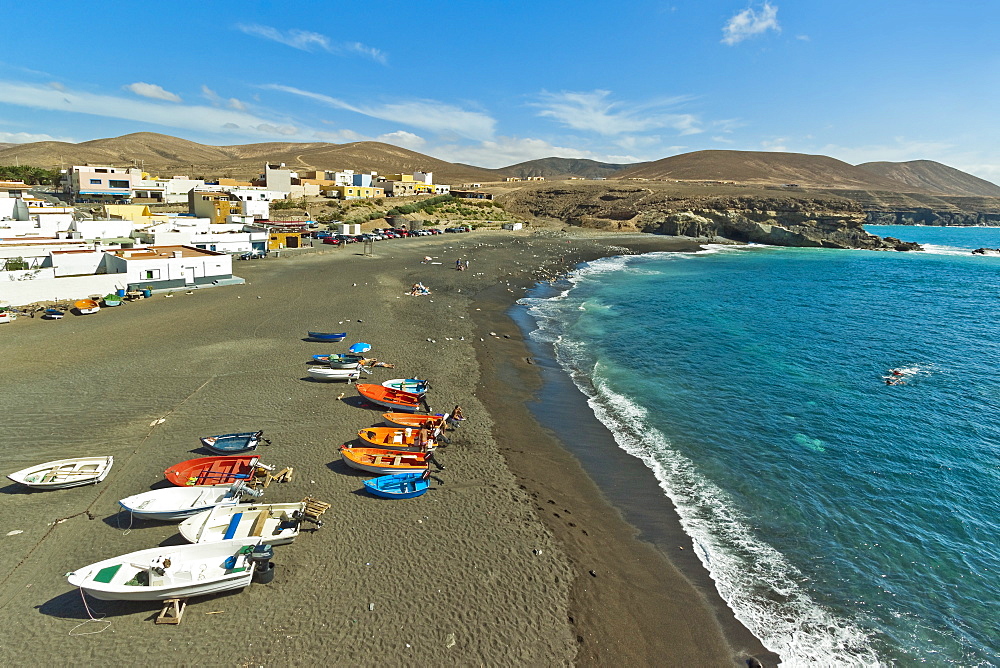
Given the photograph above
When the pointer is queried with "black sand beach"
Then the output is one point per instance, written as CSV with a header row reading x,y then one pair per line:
x,y
492,567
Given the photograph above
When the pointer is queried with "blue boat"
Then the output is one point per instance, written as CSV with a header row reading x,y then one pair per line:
x,y
327,338
359,348
399,485
238,442
412,385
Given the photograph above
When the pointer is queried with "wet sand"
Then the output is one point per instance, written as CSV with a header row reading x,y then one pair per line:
x,y
492,566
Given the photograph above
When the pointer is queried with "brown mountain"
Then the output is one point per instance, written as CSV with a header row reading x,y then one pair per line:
x,y
934,177
762,168
564,168
165,155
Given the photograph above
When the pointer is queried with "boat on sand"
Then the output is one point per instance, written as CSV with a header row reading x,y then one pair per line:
x,y
242,441
399,485
174,571
86,306
397,438
326,337
173,504
412,385
396,400
64,473
326,373
414,421
383,462
213,470
274,523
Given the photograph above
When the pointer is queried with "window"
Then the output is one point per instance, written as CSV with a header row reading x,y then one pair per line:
x,y
117,184
151,274
101,171
95,182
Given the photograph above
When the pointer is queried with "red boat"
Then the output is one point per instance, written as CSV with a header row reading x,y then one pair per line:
x,y
390,398
212,470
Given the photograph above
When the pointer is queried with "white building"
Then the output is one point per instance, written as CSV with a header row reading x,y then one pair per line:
x,y
234,237
101,183
166,267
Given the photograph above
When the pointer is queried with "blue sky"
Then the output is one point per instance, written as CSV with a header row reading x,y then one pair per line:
x,y
495,83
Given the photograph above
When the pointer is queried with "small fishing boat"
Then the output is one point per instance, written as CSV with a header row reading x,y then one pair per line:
x,y
175,571
226,444
398,485
7,316
53,314
274,523
213,470
396,400
412,385
64,473
340,360
396,438
383,462
327,338
85,306
176,503
329,373
112,300
359,348
414,421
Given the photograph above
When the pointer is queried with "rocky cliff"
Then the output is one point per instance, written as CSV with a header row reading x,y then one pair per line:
x,y
710,213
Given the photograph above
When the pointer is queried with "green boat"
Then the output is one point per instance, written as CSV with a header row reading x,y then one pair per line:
x,y
112,300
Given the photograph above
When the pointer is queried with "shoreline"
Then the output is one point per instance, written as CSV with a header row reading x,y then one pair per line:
x,y
630,612
491,575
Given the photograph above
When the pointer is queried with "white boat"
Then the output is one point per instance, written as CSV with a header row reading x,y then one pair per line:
x,y
6,316
174,571
273,523
329,373
173,504
65,473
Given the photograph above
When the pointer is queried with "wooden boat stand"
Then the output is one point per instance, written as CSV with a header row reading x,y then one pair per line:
x,y
314,509
172,612
265,478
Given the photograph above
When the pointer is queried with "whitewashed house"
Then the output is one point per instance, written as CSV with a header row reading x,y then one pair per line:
x,y
167,267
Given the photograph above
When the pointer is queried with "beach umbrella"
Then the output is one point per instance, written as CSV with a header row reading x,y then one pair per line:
x,y
359,348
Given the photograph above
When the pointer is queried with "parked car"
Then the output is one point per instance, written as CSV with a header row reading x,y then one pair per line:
x,y
333,241
323,235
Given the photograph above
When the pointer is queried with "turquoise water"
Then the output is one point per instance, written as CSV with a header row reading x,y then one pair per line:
x,y
846,521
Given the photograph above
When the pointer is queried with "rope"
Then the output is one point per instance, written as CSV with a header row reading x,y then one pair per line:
x,y
86,607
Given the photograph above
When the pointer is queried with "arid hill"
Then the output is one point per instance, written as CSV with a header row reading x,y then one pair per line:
x,y
563,168
164,155
762,168
934,177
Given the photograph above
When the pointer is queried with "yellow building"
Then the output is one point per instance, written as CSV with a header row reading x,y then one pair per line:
x,y
277,240
213,205
137,213
354,192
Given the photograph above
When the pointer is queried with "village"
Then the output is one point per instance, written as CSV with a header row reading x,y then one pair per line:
x,y
118,231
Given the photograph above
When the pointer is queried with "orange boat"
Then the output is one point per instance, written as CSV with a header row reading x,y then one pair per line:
x,y
413,421
388,397
85,306
212,470
396,438
383,462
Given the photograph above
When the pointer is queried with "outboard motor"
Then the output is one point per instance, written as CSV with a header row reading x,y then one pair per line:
x,y
242,489
260,556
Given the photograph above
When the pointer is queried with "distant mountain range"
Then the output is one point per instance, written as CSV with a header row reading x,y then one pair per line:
x,y
164,155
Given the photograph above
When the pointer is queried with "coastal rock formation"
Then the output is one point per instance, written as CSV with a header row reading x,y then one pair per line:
x,y
735,214
932,217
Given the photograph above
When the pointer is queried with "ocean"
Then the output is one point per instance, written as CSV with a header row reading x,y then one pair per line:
x,y
824,421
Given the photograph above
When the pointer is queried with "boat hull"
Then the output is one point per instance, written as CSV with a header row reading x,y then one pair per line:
x,y
272,523
383,462
86,306
212,470
65,473
227,444
108,580
395,400
328,338
396,438
413,421
330,374
398,486
174,504
411,385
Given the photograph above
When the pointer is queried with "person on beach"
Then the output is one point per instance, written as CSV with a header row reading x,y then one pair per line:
x,y
466,264
458,264
455,417
423,440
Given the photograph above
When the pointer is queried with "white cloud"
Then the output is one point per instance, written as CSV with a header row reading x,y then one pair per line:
x,y
778,144
233,103
305,40
593,111
28,137
340,136
428,115
404,139
900,150
210,95
750,23
152,91
188,117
